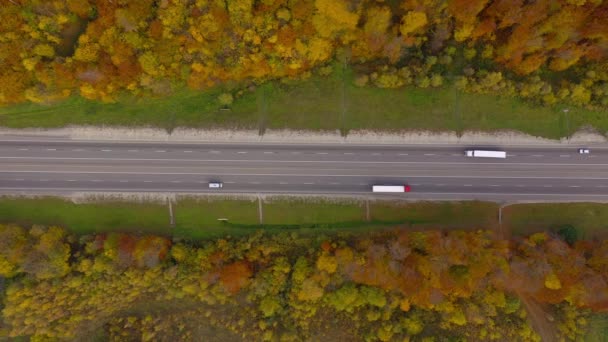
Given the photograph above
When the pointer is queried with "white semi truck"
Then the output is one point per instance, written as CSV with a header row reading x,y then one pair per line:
x,y
485,154
391,188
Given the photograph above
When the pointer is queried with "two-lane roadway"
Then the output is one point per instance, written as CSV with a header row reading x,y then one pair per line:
x,y
433,171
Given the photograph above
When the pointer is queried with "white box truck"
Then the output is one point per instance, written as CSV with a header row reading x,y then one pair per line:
x,y
391,188
485,154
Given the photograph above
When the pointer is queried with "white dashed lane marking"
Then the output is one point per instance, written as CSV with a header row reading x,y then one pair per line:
x,y
51,149
160,151
187,151
132,150
241,152
106,150
24,149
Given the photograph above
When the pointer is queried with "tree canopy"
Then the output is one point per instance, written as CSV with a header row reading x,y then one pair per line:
x,y
375,286
100,49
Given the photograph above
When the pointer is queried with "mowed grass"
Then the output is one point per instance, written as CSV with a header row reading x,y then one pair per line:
x,y
86,218
184,108
449,109
197,218
297,211
465,215
590,219
319,103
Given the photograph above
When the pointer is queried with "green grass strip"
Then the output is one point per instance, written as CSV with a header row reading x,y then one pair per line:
x,y
590,219
319,103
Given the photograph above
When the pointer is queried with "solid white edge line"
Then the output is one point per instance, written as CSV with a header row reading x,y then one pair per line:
x,y
297,175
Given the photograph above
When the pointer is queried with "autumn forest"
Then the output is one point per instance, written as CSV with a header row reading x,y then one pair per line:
x,y
388,285
378,285
545,51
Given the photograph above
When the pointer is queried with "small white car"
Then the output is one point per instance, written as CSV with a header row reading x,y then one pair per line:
x,y
216,185
583,150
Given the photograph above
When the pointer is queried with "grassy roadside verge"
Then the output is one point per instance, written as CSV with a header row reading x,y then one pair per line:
x,y
590,219
198,218
318,103
85,218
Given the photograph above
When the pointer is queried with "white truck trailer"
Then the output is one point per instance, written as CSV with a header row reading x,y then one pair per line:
x,y
390,188
485,154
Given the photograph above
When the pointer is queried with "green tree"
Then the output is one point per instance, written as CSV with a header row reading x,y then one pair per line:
x,y
569,234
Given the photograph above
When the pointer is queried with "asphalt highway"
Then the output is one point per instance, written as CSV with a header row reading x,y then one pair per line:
x,y
432,171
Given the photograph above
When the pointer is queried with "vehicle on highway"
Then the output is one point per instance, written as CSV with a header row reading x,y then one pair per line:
x,y
485,154
583,150
391,188
216,185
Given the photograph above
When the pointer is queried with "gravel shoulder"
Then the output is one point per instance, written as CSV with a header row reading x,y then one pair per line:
x,y
585,136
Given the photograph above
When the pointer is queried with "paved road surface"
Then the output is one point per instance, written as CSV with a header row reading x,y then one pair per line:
x,y
434,172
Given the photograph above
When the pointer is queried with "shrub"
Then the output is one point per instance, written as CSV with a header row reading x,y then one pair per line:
x,y
225,99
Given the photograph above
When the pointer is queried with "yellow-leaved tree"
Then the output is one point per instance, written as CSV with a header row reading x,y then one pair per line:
x,y
333,17
412,21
